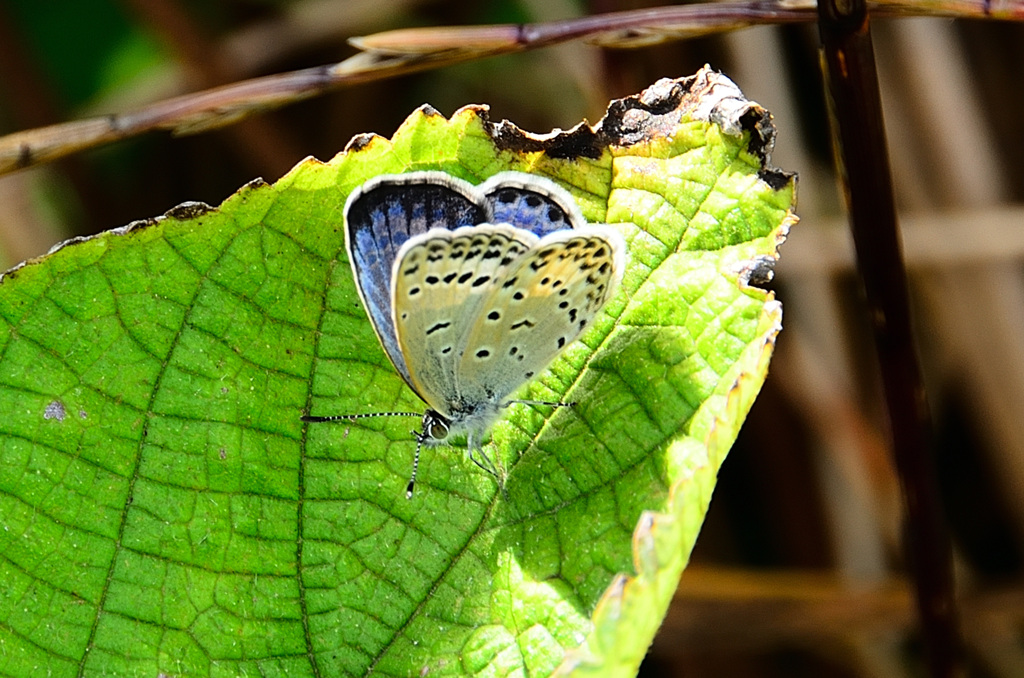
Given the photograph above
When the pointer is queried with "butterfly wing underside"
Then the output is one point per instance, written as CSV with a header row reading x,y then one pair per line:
x,y
440,287
546,300
380,216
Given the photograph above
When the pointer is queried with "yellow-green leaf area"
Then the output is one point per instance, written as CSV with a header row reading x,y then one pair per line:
x,y
165,510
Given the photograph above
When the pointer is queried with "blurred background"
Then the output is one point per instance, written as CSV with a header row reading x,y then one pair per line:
x,y
798,570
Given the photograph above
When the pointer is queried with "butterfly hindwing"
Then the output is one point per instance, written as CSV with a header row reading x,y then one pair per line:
x,y
530,202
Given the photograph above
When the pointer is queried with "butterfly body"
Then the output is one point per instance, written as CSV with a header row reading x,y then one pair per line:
x,y
474,290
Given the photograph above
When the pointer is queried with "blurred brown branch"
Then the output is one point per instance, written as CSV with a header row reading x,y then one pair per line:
x,y
743,610
393,53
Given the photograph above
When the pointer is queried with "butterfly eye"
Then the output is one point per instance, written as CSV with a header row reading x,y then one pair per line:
x,y
435,426
438,430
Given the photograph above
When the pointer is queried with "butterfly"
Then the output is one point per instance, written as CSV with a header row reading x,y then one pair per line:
x,y
474,290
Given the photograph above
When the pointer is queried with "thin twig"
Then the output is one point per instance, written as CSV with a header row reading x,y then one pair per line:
x,y
395,53
264,145
855,105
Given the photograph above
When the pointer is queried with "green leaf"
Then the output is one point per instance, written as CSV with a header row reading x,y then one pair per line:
x,y
165,511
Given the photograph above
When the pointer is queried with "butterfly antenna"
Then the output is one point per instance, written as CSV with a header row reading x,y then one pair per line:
x,y
352,417
415,464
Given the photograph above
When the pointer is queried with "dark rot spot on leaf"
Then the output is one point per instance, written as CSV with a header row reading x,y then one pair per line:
x,y
361,141
579,142
188,210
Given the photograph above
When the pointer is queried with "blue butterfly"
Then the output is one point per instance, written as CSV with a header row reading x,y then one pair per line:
x,y
474,290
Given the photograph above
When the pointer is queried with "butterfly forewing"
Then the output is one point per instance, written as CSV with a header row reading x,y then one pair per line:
x,y
544,302
381,215
440,286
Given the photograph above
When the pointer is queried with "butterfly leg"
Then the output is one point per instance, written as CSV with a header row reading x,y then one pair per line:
x,y
480,458
476,453
538,402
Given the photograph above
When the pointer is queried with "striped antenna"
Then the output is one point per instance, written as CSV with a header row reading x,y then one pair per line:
x,y
415,463
350,417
